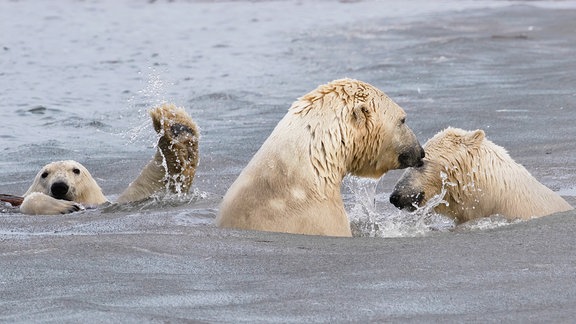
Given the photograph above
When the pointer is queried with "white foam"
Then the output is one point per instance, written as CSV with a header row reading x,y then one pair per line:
x,y
388,221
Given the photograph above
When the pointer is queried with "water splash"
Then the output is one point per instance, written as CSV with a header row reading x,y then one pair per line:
x,y
486,223
362,211
151,95
388,221
155,91
162,200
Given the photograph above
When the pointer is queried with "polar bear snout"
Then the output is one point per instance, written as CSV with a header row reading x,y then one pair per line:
x,y
59,190
412,157
403,201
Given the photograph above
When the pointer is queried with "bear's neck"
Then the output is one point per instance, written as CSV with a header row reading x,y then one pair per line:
x,y
502,187
305,157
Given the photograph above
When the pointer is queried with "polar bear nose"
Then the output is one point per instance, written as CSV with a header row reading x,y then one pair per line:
x,y
420,162
59,190
408,202
412,158
395,200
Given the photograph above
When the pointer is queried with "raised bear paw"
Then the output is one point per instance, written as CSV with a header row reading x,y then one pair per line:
x,y
177,146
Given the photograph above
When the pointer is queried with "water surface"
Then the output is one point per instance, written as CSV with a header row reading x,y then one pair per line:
x,y
76,80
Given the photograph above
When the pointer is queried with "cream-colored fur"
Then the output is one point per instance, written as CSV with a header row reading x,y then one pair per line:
x,y
81,189
67,186
292,184
174,164
480,180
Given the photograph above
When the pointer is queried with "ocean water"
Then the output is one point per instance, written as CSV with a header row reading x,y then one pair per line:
x,y
77,78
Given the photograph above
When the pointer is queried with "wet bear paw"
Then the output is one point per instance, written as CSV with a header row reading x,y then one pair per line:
x,y
177,145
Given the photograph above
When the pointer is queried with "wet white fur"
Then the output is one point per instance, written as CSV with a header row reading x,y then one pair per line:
x,y
481,179
155,177
84,190
292,184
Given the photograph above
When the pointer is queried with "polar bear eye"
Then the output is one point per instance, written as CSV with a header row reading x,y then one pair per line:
x,y
403,120
44,174
76,171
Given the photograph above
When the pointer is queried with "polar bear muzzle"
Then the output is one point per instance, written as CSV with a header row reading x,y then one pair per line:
x,y
411,157
59,190
406,201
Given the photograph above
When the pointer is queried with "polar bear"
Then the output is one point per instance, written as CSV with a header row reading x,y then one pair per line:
x,y
62,187
292,184
479,178
67,186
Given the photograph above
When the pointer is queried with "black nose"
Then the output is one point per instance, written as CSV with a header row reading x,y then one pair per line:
x,y
409,202
412,158
395,200
420,161
59,190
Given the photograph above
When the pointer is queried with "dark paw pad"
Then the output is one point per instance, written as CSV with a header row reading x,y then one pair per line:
x,y
178,129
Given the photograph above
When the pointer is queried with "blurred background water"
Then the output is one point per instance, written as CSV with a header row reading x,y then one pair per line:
x,y
77,77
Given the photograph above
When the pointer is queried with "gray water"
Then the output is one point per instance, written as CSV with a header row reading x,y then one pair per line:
x,y
76,79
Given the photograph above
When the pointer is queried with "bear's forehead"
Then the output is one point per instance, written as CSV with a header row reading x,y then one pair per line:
x,y
446,152
447,137
63,165
443,147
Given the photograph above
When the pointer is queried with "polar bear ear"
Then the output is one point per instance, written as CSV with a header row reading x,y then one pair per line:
x,y
360,114
476,137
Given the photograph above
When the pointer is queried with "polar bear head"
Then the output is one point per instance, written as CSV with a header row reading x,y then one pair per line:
x,y
453,163
353,122
68,180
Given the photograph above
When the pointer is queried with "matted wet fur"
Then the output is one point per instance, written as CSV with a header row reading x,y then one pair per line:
x,y
292,184
174,165
67,186
479,178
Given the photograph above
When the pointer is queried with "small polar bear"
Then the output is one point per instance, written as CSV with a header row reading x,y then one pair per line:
x,y
292,184
480,179
62,187
67,186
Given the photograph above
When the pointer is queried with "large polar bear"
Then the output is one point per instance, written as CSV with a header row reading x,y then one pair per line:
x,y
292,184
479,178
67,186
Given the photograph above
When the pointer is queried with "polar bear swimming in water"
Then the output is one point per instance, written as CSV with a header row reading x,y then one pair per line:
x,y
67,186
479,177
292,184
